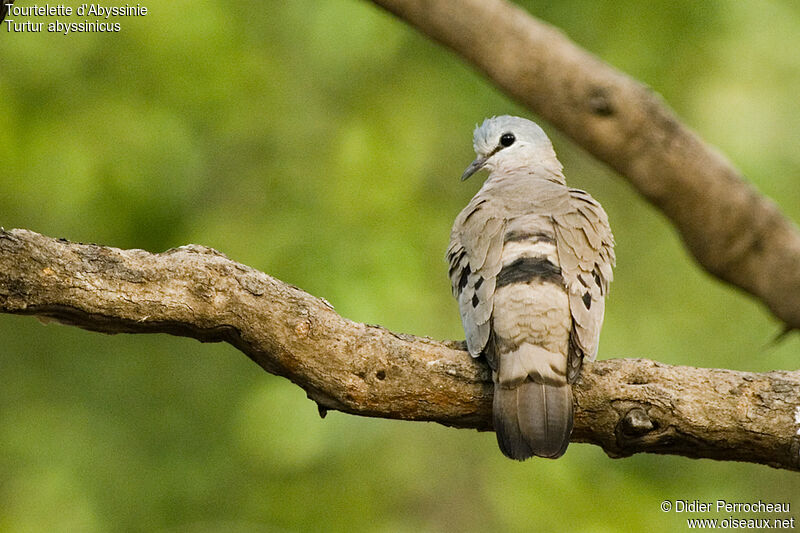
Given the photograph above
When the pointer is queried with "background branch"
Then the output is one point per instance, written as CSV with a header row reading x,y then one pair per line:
x,y
625,406
734,232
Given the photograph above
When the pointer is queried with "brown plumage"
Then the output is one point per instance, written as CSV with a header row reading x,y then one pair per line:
x,y
530,262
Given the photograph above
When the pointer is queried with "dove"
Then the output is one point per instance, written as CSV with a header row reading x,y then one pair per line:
x,y
530,262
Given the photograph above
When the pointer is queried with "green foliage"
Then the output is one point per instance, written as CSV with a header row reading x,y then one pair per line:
x,y
322,143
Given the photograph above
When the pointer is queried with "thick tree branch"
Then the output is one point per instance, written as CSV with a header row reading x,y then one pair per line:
x,y
626,406
734,232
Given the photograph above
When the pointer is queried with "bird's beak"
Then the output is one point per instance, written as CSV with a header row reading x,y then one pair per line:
x,y
474,167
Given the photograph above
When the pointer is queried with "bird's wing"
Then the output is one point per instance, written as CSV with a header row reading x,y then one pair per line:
x,y
476,244
586,254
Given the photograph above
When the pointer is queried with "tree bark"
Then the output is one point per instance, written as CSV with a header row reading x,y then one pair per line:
x,y
626,406
734,232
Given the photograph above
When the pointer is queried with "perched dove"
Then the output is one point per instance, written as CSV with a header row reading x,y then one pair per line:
x,y
530,264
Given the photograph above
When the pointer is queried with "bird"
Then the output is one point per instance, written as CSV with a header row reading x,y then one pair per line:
x,y
530,262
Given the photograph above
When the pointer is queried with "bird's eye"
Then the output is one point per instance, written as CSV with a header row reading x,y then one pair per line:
x,y
507,139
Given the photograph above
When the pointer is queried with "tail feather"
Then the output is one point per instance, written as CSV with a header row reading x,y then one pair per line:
x,y
533,419
506,423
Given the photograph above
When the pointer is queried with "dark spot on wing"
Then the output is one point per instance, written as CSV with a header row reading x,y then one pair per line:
x,y
478,283
583,196
598,281
475,300
462,280
527,269
587,300
455,261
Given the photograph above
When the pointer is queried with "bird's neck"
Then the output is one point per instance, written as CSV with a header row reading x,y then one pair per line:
x,y
510,172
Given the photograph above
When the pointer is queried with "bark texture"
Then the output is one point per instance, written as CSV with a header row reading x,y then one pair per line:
x,y
734,232
626,406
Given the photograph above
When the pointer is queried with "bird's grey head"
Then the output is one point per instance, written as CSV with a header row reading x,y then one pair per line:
x,y
509,143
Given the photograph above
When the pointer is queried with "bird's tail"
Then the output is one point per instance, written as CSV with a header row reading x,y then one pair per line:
x,y
532,411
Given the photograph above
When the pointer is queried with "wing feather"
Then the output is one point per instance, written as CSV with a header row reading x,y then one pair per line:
x,y
476,244
586,253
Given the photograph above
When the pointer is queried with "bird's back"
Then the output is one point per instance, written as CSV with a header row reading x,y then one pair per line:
x,y
530,262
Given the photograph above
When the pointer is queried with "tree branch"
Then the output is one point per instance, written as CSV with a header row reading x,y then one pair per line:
x,y
734,232
626,406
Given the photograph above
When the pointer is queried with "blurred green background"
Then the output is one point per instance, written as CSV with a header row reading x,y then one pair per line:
x,y
321,141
